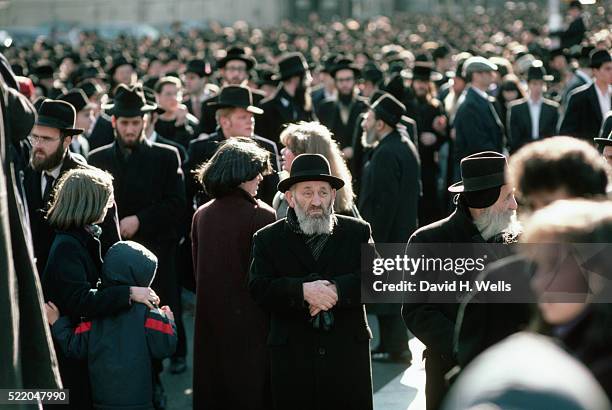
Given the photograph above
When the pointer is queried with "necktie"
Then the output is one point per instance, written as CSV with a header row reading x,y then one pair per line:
x,y
48,188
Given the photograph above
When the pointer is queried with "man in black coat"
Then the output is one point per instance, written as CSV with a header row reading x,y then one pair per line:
x,y
341,114
477,125
234,69
292,102
574,34
589,104
197,88
484,209
306,272
50,158
149,191
388,200
535,117
235,113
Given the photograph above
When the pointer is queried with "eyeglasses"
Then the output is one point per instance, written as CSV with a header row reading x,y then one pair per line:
x,y
41,139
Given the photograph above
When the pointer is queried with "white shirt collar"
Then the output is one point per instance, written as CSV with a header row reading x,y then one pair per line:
x,y
54,172
483,94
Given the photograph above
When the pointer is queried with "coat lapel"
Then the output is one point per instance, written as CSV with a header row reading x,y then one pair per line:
x,y
595,104
329,251
300,250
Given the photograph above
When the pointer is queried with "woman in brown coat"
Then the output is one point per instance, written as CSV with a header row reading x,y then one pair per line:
x,y
231,366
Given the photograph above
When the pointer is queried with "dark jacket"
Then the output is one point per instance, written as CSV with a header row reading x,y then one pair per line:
x,y
582,118
390,189
165,141
70,281
574,33
477,126
180,134
279,109
313,369
204,147
519,122
232,329
102,132
434,324
42,233
119,348
328,113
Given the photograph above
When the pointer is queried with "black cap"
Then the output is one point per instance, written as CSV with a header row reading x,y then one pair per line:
x,y
389,109
235,96
128,102
58,114
310,167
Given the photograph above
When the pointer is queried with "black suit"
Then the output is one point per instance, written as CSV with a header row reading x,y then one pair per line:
x,y
312,369
328,113
42,233
478,127
279,109
582,118
519,122
102,133
149,184
165,141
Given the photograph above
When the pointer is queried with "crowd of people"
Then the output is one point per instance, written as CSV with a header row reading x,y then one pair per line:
x,y
250,166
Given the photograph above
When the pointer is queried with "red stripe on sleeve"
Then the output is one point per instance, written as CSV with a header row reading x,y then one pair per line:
x,y
82,328
159,326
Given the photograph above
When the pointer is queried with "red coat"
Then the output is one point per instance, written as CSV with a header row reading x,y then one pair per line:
x,y
231,364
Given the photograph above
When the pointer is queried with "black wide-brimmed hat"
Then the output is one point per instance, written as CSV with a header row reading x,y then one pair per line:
x,y
128,102
290,65
345,64
372,73
389,109
329,61
310,167
78,99
198,67
599,57
58,114
235,96
149,95
118,61
481,171
423,71
537,72
237,53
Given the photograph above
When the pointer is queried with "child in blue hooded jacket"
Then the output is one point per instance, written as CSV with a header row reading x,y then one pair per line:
x,y
119,348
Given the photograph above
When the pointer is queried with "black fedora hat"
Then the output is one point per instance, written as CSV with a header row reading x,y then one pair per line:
x,y
537,72
58,114
329,61
77,98
310,167
149,95
389,109
290,65
481,171
235,96
128,102
264,76
372,73
90,88
198,67
118,61
344,63
237,53
423,71
599,57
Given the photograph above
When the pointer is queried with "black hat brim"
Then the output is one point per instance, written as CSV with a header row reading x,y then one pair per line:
x,y
286,184
249,61
603,141
250,108
110,108
50,122
295,71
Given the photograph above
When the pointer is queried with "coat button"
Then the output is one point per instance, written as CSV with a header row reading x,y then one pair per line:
x,y
322,351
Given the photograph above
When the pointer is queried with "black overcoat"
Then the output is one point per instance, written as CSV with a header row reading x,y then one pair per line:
x,y
519,122
312,369
582,118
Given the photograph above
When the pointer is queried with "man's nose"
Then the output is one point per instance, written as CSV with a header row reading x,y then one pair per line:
x,y
513,204
316,200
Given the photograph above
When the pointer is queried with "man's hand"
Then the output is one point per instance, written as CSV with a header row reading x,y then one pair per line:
x,y
166,310
145,296
347,152
129,226
320,295
428,138
52,312
439,124
181,114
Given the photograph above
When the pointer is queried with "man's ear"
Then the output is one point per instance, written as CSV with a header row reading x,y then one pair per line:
x,y
290,199
66,142
114,121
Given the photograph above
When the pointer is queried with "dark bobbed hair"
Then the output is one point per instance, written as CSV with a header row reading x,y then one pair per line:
x,y
237,160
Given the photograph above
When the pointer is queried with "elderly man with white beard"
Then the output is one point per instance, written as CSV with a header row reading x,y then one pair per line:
x,y
306,272
485,213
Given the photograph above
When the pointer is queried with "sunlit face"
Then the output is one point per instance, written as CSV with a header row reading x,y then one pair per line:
x,y
288,157
85,119
239,123
367,88
483,79
47,147
235,72
314,198
536,87
506,201
607,154
345,82
252,185
169,97
129,129
603,74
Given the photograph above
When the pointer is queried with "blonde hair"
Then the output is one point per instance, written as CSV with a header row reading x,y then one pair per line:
x,y
80,198
314,138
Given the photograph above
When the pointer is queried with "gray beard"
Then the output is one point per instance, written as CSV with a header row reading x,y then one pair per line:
x,y
492,223
318,224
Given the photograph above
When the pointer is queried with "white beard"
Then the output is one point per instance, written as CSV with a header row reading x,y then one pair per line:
x,y
492,223
316,224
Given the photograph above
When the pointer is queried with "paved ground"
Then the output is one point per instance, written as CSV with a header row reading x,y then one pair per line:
x,y
395,386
